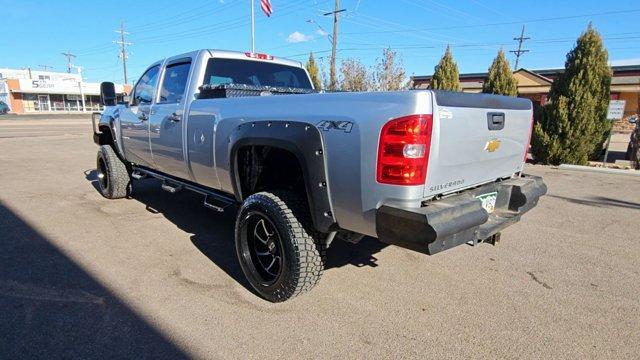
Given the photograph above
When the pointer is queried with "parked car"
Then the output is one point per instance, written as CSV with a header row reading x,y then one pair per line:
x,y
4,108
425,170
633,150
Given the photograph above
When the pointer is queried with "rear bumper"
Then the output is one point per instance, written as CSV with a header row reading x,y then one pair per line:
x,y
458,219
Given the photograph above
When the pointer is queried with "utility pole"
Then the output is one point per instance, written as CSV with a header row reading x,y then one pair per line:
x,y
123,49
520,50
333,82
84,105
46,67
69,57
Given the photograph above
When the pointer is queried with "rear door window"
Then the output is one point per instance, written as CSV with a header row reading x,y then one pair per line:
x,y
174,83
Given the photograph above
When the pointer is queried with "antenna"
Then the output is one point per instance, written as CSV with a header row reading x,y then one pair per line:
x,y
520,50
123,49
69,57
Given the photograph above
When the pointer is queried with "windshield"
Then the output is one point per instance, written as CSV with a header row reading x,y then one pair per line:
x,y
256,73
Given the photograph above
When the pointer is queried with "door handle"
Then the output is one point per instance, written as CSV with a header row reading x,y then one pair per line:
x,y
175,116
143,117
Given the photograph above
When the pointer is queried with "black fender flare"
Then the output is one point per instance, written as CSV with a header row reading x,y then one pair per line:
x,y
104,134
304,141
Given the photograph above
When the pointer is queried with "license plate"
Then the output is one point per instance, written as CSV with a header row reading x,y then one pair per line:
x,y
488,201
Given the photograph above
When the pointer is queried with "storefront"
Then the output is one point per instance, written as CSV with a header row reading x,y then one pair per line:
x,y
27,91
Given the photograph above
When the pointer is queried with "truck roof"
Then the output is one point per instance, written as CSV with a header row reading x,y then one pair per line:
x,y
246,55
227,54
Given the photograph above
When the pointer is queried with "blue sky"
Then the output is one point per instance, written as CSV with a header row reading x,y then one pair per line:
x,y
36,32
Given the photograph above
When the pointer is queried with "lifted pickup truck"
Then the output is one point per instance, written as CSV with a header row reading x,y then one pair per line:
x,y
425,170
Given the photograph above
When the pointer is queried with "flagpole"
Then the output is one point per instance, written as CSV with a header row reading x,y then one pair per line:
x,y
253,37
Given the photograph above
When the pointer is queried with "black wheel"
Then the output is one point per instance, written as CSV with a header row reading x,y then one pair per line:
x,y
113,176
276,248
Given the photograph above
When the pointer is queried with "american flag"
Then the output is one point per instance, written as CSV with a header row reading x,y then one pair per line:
x,y
265,5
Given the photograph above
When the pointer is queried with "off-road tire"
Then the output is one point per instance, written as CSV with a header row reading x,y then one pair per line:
x,y
114,180
303,254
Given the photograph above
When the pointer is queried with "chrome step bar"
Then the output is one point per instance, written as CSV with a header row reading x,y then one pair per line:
x,y
172,188
214,204
213,199
136,174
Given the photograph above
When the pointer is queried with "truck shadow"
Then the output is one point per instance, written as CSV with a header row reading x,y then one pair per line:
x,y
599,201
52,308
213,232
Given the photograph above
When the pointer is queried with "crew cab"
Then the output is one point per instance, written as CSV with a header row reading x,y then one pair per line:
x,y
425,170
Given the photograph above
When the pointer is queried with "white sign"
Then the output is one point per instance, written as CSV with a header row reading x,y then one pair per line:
x,y
616,109
61,87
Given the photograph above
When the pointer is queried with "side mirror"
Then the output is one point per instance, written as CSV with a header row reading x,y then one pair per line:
x,y
107,94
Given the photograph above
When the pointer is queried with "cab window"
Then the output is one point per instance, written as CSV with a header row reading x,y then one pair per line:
x,y
257,73
144,89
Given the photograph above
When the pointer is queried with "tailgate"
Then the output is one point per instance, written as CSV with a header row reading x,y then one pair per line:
x,y
476,139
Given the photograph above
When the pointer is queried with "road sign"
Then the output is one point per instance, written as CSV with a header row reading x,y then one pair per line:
x,y
616,109
615,112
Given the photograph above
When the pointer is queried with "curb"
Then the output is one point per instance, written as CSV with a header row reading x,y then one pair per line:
x,y
599,170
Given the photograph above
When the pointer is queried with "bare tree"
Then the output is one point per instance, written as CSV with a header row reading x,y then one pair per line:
x,y
354,76
389,73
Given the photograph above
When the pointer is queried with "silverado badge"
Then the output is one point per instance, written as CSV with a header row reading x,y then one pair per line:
x,y
492,145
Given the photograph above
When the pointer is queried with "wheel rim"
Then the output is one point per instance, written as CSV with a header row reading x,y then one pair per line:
x,y
103,179
264,247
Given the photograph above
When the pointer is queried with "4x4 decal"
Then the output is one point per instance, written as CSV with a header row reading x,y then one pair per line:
x,y
327,125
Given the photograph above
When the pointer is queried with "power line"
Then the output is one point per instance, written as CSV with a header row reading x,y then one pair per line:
x,y
69,56
504,23
520,50
459,46
46,67
123,49
201,31
333,82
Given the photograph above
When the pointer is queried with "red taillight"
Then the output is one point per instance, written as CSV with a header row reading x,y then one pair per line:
x,y
403,152
259,56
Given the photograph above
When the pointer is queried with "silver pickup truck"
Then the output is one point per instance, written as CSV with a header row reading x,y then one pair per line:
x,y
425,170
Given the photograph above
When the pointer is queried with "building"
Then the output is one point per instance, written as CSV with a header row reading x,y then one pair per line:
x,y
32,91
535,84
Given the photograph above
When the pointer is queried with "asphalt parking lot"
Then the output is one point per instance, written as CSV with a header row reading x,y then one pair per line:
x,y
155,276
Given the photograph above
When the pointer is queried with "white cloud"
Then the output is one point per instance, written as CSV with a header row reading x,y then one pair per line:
x,y
321,32
297,37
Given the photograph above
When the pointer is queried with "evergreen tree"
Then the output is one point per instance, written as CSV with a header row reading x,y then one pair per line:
x,y
445,75
314,72
574,125
500,79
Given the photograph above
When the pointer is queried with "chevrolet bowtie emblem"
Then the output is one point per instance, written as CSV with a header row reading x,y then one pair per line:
x,y
492,145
